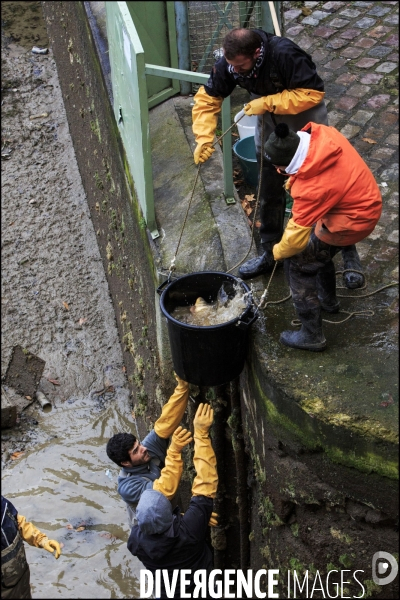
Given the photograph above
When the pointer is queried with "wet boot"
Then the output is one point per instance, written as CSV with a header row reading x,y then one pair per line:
x,y
326,288
310,336
351,260
259,265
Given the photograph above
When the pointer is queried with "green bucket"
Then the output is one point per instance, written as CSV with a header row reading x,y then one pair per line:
x,y
245,150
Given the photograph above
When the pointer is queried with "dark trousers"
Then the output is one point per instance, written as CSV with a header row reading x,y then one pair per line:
x,y
311,274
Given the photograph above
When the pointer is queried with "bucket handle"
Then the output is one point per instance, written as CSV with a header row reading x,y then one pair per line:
x,y
160,288
245,324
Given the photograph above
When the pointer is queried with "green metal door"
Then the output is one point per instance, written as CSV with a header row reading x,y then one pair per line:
x,y
155,25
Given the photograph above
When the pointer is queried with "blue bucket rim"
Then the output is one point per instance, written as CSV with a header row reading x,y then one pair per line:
x,y
252,160
203,327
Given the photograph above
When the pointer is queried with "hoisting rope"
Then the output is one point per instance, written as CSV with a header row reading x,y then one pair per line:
x,y
263,303
172,265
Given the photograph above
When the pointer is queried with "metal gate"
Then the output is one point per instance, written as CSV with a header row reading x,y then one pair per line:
x,y
209,22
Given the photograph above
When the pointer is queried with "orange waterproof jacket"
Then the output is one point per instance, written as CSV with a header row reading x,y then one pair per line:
x,y
334,189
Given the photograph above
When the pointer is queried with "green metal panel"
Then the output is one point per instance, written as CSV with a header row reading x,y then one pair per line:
x,y
155,25
130,103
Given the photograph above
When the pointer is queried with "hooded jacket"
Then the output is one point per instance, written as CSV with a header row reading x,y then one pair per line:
x,y
334,190
182,546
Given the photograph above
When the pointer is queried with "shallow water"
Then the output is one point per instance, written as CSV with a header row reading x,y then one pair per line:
x,y
63,483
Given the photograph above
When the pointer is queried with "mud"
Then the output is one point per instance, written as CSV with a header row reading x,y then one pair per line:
x,y
56,306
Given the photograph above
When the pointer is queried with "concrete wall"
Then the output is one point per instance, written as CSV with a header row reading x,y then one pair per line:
x,y
126,247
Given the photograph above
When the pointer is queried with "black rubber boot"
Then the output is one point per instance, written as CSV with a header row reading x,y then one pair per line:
x,y
351,260
260,264
326,287
310,336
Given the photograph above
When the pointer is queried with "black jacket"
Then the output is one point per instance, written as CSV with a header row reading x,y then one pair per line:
x,y
285,66
183,548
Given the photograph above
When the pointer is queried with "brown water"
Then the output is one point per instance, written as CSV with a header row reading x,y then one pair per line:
x,y
205,314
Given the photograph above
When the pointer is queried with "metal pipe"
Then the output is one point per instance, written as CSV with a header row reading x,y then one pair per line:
x,y
44,402
183,46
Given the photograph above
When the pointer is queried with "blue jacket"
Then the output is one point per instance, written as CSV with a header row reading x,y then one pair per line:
x,y
183,546
133,481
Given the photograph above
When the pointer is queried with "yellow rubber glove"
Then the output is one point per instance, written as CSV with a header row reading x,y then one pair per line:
x,y
34,537
173,411
205,118
288,102
51,546
294,240
170,475
213,522
206,481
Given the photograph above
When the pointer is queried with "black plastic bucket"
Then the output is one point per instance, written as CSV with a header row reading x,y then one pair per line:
x,y
206,356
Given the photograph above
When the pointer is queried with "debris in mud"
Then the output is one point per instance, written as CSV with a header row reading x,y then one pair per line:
x,y
32,117
36,50
24,371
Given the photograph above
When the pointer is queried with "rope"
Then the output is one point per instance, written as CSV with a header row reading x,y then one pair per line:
x,y
172,266
257,201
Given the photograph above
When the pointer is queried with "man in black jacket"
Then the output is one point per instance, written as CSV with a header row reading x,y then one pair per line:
x,y
166,539
284,86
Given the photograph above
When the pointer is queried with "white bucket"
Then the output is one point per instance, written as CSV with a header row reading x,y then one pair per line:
x,y
246,126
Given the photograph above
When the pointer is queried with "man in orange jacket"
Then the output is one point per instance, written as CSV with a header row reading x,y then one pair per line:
x,y
284,86
336,203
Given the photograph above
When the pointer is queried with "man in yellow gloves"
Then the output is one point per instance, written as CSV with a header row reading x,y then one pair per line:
x,y
336,202
142,463
284,86
166,539
15,529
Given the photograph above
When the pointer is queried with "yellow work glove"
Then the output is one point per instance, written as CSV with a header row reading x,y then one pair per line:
x,y
288,102
34,537
173,411
170,475
294,240
51,546
206,481
205,118
202,153
213,522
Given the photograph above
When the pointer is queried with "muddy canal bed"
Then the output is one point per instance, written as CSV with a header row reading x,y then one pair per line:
x,y
56,305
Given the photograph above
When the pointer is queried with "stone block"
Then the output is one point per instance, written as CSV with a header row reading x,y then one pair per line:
x,y
392,20
393,139
365,23
392,40
336,43
379,31
351,52
361,117
358,91
379,51
372,78
291,15
324,32
349,131
378,11
295,30
310,21
346,78
338,23
364,42
335,64
346,103
378,101
386,67
350,13
366,63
